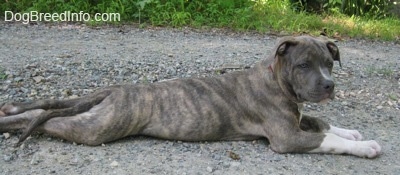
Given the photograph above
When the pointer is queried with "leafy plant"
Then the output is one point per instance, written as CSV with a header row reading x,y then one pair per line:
x,y
180,19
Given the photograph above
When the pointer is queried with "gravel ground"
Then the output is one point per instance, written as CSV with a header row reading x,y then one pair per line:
x,y
66,61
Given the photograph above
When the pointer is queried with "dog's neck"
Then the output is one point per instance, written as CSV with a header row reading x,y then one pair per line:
x,y
269,71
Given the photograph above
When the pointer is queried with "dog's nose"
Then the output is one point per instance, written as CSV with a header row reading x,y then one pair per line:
x,y
328,85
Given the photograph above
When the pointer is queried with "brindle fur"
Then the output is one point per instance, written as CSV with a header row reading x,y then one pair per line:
x,y
259,102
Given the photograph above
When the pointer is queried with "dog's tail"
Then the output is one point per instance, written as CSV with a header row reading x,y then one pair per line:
x,y
64,108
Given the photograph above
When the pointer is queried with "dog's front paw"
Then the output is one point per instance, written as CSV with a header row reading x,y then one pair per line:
x,y
370,149
346,133
352,135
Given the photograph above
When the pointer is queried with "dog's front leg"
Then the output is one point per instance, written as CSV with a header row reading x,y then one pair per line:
x,y
335,144
345,133
313,124
315,136
339,140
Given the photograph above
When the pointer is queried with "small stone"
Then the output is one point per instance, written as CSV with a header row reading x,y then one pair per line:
x,y
233,155
235,164
35,159
4,88
341,94
7,158
75,161
379,107
24,90
12,92
226,164
18,79
343,74
114,164
30,66
38,79
6,135
216,157
210,169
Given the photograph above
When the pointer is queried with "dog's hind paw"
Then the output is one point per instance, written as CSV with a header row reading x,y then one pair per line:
x,y
8,109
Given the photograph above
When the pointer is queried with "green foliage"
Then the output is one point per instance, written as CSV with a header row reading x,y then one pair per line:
x,y
386,71
365,20
370,8
373,8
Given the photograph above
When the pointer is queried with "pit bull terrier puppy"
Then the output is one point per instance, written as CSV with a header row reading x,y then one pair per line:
x,y
264,101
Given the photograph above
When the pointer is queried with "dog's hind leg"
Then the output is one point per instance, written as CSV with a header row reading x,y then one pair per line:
x,y
53,108
17,108
19,121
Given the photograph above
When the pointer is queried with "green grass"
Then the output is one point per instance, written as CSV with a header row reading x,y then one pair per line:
x,y
3,75
264,16
386,71
392,97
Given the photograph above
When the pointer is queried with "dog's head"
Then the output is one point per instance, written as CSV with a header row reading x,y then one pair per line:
x,y
303,67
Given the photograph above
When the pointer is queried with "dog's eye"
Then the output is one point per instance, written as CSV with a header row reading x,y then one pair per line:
x,y
330,64
304,65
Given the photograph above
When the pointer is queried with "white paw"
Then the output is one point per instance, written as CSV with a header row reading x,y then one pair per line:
x,y
352,135
346,133
368,149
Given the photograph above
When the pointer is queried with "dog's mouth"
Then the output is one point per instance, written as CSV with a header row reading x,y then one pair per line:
x,y
320,97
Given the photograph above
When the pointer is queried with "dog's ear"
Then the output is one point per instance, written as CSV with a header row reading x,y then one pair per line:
x,y
284,44
281,49
334,50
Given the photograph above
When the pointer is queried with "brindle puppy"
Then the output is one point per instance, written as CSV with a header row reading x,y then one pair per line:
x,y
264,101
